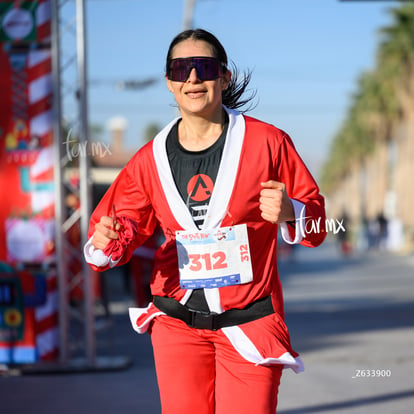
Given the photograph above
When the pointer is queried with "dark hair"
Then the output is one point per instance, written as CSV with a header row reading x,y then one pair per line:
x,y
231,96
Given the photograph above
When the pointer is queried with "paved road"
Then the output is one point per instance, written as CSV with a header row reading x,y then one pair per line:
x,y
352,322
348,318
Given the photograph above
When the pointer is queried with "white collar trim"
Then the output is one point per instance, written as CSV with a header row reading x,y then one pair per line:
x,y
225,180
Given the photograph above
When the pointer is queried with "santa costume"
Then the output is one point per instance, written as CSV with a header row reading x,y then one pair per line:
x,y
203,365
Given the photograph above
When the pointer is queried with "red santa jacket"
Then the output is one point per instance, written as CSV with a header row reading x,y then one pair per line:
x,y
254,152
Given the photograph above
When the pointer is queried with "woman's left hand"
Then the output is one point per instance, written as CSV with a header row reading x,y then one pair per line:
x,y
275,204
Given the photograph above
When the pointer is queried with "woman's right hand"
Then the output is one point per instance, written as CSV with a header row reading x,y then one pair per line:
x,y
105,231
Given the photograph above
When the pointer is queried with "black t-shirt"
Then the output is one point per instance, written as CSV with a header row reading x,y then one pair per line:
x,y
195,174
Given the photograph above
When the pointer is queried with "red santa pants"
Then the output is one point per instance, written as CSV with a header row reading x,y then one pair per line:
x,y
200,372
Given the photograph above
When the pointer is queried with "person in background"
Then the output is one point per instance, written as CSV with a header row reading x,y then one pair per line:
x,y
344,236
219,184
382,232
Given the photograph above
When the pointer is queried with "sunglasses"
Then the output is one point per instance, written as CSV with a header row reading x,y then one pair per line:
x,y
207,68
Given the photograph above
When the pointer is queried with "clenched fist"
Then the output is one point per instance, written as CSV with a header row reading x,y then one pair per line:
x,y
105,231
275,204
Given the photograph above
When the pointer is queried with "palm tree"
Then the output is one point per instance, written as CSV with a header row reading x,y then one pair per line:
x,y
396,51
384,98
396,56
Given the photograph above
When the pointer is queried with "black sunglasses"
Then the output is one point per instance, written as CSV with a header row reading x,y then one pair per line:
x,y
207,68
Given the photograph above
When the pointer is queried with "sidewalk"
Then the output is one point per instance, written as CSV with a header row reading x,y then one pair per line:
x,y
352,322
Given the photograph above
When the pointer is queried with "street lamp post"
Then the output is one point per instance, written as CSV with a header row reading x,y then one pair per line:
x,y
188,14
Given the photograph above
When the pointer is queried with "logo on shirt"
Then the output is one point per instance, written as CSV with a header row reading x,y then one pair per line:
x,y
200,187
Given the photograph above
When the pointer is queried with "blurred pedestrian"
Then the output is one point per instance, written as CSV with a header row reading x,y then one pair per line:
x,y
382,231
219,184
343,235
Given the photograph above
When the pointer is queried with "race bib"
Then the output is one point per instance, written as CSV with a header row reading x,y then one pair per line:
x,y
214,258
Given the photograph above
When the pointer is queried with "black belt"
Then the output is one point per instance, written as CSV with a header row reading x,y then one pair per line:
x,y
211,320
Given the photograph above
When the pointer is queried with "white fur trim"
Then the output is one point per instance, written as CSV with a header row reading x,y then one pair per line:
x,y
96,256
300,218
228,170
213,300
225,180
186,296
296,364
245,347
175,201
135,313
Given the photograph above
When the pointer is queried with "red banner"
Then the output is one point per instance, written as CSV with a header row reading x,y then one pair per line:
x,y
26,172
26,141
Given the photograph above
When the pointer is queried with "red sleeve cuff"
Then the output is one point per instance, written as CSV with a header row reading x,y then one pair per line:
x,y
126,235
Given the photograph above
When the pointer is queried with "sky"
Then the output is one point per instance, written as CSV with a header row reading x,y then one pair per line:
x,y
305,56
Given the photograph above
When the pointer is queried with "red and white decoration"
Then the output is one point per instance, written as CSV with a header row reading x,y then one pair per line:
x,y
27,155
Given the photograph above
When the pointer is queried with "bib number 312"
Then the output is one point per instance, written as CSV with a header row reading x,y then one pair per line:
x,y
210,261
215,258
